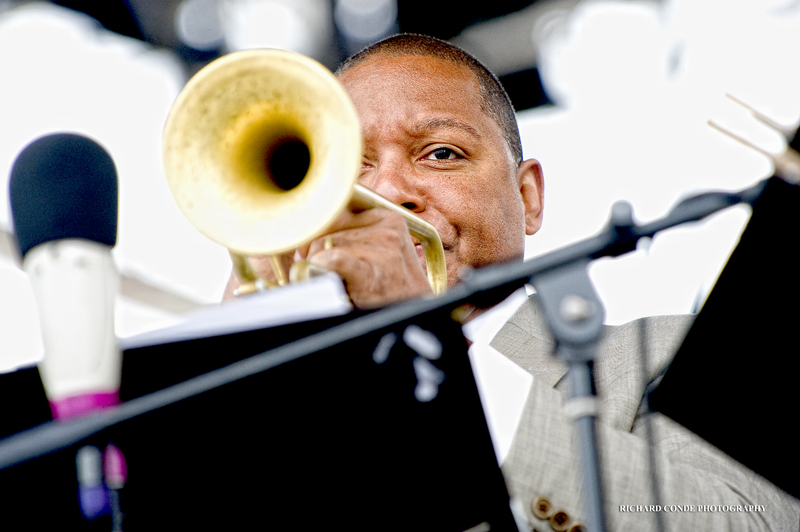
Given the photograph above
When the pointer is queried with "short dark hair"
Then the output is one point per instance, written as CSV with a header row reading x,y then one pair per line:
x,y
494,100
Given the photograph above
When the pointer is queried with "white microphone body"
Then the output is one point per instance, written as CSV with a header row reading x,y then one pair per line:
x,y
75,284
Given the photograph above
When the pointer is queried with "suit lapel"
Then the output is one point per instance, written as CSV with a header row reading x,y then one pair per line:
x,y
526,340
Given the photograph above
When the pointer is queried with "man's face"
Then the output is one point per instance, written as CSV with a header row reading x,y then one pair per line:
x,y
430,147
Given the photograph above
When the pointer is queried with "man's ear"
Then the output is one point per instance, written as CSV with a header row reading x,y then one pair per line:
x,y
531,188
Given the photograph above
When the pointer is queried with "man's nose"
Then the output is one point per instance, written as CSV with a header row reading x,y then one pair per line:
x,y
396,182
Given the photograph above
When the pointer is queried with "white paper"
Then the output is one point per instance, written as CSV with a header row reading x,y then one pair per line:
x,y
318,297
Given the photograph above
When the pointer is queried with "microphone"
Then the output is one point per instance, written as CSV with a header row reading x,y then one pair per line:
x,y
63,192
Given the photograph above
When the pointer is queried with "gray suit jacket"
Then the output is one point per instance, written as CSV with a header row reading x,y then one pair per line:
x,y
695,478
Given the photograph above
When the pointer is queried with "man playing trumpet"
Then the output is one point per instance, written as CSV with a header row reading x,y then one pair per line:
x,y
440,138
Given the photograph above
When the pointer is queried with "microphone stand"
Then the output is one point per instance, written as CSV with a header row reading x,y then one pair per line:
x,y
575,315
574,312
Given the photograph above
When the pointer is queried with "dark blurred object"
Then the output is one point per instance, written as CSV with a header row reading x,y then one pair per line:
x,y
735,376
447,18
794,143
345,437
114,15
152,21
525,89
438,18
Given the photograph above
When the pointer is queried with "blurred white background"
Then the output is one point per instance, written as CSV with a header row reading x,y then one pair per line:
x,y
633,83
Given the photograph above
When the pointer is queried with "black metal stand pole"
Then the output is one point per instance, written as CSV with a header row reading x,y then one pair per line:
x,y
479,287
575,316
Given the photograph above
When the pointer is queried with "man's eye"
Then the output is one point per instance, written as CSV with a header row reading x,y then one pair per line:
x,y
443,153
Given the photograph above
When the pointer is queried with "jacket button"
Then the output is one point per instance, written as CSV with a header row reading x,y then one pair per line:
x,y
577,527
559,521
541,508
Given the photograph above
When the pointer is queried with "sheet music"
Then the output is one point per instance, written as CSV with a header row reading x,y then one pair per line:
x,y
318,297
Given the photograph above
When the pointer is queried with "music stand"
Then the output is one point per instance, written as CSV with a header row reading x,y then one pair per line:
x,y
733,381
381,431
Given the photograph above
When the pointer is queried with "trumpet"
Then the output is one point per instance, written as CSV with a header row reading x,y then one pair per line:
x,y
262,150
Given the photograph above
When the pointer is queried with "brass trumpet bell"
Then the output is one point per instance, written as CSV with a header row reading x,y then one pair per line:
x,y
223,132
262,149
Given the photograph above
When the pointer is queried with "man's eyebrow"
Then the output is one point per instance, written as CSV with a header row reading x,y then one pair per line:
x,y
433,124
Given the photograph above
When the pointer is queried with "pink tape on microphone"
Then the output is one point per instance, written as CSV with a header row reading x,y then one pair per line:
x,y
79,405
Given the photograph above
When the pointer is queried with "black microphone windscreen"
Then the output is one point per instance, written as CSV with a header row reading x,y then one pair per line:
x,y
63,186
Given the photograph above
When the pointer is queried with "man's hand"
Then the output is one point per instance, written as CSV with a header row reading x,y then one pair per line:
x,y
262,267
375,256
372,252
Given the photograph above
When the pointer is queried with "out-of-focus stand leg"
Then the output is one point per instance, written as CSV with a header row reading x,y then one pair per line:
x,y
575,316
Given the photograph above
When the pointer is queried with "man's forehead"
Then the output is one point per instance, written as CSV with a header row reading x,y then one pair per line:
x,y
383,81
404,65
